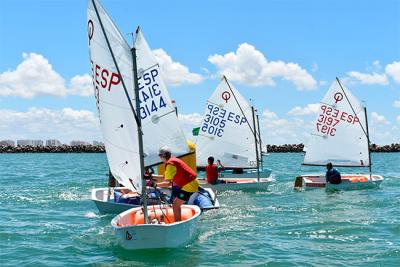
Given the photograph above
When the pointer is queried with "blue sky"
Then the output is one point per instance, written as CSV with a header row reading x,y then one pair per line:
x,y
290,52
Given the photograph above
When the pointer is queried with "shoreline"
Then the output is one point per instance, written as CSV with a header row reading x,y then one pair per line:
x,y
286,148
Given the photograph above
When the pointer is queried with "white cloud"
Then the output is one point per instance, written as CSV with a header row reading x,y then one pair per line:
x,y
393,70
276,130
42,123
34,76
377,119
174,73
81,85
396,104
249,66
267,114
398,119
310,109
190,121
366,78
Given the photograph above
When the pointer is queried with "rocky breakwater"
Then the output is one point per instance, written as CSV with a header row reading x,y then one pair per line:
x,y
52,149
299,148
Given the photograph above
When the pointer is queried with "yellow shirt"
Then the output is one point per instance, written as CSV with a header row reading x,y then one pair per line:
x,y
190,187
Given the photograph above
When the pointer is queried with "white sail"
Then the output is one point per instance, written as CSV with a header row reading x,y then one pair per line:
x,y
159,120
340,131
117,120
226,133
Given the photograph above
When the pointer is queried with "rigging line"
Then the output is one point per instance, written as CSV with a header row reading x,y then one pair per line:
x,y
237,102
116,65
160,162
355,114
143,70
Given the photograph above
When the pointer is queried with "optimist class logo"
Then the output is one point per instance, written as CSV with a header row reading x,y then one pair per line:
x,y
226,96
90,30
338,97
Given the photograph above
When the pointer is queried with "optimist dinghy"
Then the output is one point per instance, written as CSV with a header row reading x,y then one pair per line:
x,y
115,79
162,232
160,126
340,136
229,134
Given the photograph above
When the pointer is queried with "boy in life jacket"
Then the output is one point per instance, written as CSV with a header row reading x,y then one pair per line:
x,y
332,175
212,171
184,180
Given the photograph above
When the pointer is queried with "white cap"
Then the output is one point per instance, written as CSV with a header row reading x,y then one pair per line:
x,y
165,152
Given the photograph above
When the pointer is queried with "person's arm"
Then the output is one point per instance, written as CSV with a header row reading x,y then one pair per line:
x,y
158,178
220,164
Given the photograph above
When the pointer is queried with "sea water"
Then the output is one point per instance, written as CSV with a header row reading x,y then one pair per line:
x,y
48,219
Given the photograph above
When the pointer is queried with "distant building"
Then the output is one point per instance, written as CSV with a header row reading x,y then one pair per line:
x,y
7,143
97,143
79,143
28,142
53,142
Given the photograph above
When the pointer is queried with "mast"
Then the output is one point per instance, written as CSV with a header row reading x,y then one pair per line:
x,y
140,133
259,140
255,143
369,144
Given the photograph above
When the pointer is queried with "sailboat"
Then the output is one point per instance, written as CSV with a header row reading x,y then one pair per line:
x,y
116,84
228,133
340,136
159,125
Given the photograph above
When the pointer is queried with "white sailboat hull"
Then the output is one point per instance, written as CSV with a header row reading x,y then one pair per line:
x,y
104,200
238,184
265,173
150,236
349,182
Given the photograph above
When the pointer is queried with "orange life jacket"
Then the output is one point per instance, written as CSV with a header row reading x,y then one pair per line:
x,y
211,173
184,174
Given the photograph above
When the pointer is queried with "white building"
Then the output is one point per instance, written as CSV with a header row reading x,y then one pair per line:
x,y
7,143
79,143
53,142
28,142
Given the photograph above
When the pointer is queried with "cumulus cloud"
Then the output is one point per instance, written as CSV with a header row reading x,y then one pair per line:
x,y
367,78
310,109
393,70
81,85
35,76
174,73
190,121
42,123
396,104
276,130
249,66
377,119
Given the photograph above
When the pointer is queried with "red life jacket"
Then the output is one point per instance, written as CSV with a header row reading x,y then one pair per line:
x,y
211,173
184,174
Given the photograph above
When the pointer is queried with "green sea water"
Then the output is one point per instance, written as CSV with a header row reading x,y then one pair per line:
x,y
47,219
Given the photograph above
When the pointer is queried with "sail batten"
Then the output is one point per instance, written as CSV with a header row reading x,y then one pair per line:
x,y
338,135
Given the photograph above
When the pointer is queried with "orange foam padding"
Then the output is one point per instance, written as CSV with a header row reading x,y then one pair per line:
x,y
357,179
138,218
